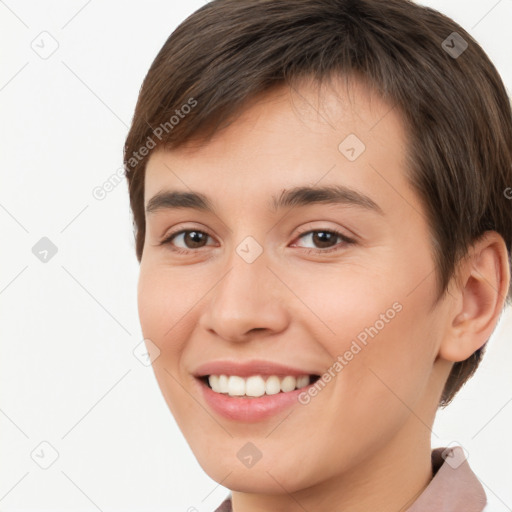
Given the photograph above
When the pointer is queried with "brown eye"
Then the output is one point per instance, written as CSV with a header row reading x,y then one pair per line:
x,y
325,240
191,238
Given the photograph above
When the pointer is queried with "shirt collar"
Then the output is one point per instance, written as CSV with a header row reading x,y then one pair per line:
x,y
454,486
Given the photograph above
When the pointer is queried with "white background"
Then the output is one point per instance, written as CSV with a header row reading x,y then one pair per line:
x,y
68,375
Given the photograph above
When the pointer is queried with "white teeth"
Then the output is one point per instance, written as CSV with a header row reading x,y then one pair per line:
x,y
255,385
302,381
223,384
214,383
288,383
272,386
236,386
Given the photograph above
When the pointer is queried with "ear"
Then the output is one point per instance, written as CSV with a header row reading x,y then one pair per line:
x,y
479,296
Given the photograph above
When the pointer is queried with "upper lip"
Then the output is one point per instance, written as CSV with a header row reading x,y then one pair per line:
x,y
248,368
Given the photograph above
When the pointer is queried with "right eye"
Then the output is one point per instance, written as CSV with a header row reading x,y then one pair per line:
x,y
192,238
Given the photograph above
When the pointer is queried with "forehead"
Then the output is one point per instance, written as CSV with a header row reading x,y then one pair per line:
x,y
342,133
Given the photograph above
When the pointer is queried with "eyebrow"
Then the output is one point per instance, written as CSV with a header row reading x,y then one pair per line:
x,y
294,197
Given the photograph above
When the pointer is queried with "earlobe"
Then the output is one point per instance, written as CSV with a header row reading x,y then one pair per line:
x,y
484,278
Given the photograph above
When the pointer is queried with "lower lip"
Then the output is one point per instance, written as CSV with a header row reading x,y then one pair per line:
x,y
249,410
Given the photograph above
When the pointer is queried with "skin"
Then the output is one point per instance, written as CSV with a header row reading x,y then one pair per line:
x,y
363,443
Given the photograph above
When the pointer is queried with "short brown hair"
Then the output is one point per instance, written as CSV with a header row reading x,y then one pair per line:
x,y
452,100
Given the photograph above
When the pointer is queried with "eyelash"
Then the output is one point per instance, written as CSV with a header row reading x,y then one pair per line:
x,y
344,238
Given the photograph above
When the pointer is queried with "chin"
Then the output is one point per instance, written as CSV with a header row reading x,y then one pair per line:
x,y
264,477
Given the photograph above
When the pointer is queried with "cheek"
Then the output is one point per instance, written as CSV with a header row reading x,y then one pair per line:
x,y
151,304
164,318
165,304
389,376
379,332
382,383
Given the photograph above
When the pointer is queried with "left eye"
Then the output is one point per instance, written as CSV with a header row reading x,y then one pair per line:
x,y
325,239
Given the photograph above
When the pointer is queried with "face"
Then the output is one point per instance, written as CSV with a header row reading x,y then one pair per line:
x,y
338,285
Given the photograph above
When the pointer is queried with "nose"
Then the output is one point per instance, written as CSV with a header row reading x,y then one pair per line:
x,y
248,299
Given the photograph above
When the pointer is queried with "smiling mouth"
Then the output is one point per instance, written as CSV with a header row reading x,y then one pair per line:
x,y
256,385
